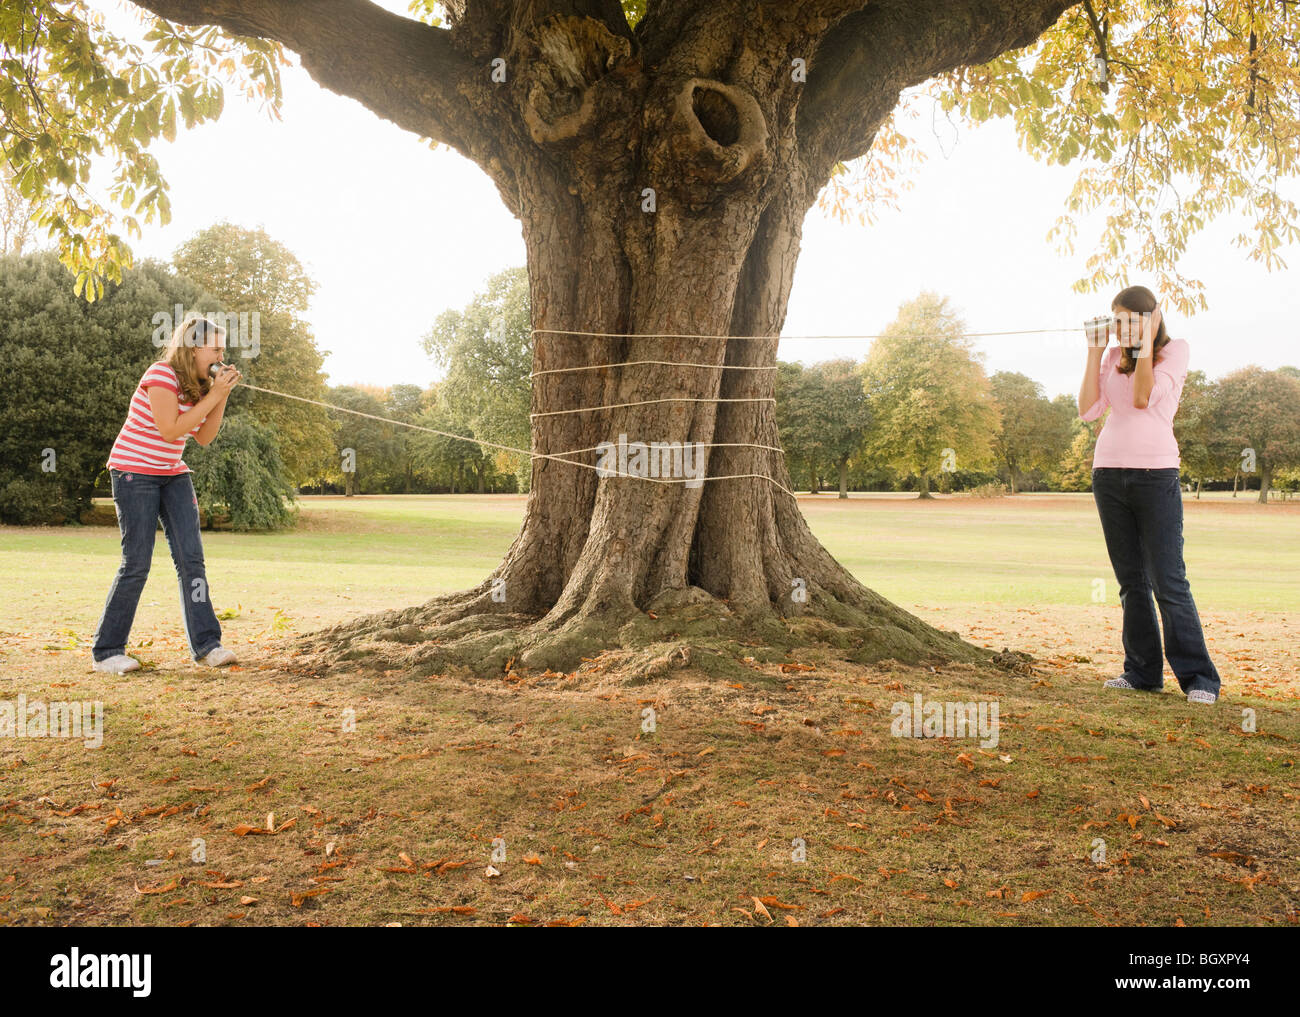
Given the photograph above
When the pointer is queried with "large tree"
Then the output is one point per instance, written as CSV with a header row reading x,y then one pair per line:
x,y
486,354
1032,434
253,274
1256,420
930,403
67,371
661,157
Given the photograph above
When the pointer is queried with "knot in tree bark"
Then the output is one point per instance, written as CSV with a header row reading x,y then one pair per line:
x,y
570,55
719,129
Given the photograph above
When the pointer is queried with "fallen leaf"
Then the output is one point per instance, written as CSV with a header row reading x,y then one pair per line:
x,y
157,889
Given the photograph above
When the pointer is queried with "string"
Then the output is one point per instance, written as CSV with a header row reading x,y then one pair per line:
x,y
651,402
542,455
557,456
658,363
670,335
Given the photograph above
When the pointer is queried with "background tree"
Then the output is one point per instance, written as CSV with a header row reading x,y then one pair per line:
x,y
1194,424
798,417
683,142
362,447
457,465
1032,434
248,271
845,415
241,478
486,353
1288,478
1259,410
67,372
17,227
927,393
406,403
1074,473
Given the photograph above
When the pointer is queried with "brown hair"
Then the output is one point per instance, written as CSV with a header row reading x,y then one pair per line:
x,y
193,331
1142,300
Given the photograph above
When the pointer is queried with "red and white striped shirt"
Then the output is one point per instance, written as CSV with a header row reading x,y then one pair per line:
x,y
139,447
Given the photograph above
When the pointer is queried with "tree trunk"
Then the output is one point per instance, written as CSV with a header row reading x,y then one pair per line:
x,y
688,194
1265,482
1198,488
844,478
925,486
594,554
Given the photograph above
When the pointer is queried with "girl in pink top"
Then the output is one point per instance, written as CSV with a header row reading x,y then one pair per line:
x,y
1135,483
175,400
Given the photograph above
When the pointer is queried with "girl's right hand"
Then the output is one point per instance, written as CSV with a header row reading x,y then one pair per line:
x,y
225,381
1097,331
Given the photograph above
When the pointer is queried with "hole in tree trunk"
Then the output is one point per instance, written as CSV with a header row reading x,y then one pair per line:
x,y
717,116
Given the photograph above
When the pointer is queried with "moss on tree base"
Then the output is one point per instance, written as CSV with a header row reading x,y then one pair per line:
x,y
681,628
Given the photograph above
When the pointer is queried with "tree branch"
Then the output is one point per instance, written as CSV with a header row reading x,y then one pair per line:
x,y
404,70
869,57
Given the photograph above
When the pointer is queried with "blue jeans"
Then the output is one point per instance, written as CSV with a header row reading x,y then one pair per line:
x,y
1142,518
140,499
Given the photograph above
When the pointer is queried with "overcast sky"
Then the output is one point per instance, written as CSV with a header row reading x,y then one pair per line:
x,y
395,233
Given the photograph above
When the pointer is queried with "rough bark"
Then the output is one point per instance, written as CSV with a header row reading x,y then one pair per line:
x,y
698,103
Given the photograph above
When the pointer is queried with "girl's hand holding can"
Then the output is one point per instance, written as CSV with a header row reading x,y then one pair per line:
x,y
1098,331
226,379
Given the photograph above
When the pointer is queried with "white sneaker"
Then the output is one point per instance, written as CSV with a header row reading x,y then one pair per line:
x,y
1119,683
119,664
219,655
1201,696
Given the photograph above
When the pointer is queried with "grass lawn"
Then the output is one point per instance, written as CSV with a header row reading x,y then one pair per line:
x,y
779,797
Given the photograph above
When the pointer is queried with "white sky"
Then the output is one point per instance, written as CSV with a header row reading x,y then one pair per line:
x,y
394,234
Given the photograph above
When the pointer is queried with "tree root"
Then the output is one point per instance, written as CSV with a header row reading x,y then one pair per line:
x,y
463,634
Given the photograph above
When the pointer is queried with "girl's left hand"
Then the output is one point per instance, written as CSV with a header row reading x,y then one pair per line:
x,y
1137,332
1150,329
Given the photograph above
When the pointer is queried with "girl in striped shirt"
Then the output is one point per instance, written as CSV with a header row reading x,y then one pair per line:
x,y
176,399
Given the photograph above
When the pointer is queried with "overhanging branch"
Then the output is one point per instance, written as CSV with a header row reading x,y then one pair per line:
x,y
872,55
403,70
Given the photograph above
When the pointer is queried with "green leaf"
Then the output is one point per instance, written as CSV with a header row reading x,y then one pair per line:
x,y
187,105
140,128
169,119
1042,94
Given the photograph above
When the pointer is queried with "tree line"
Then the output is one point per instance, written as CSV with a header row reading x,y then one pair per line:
x,y
918,412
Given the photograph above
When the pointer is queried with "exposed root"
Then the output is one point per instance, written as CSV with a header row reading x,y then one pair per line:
x,y
679,628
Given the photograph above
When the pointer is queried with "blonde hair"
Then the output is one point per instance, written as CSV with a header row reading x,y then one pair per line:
x,y
194,330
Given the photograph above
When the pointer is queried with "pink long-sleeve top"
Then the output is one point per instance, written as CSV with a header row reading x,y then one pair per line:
x,y
1140,438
